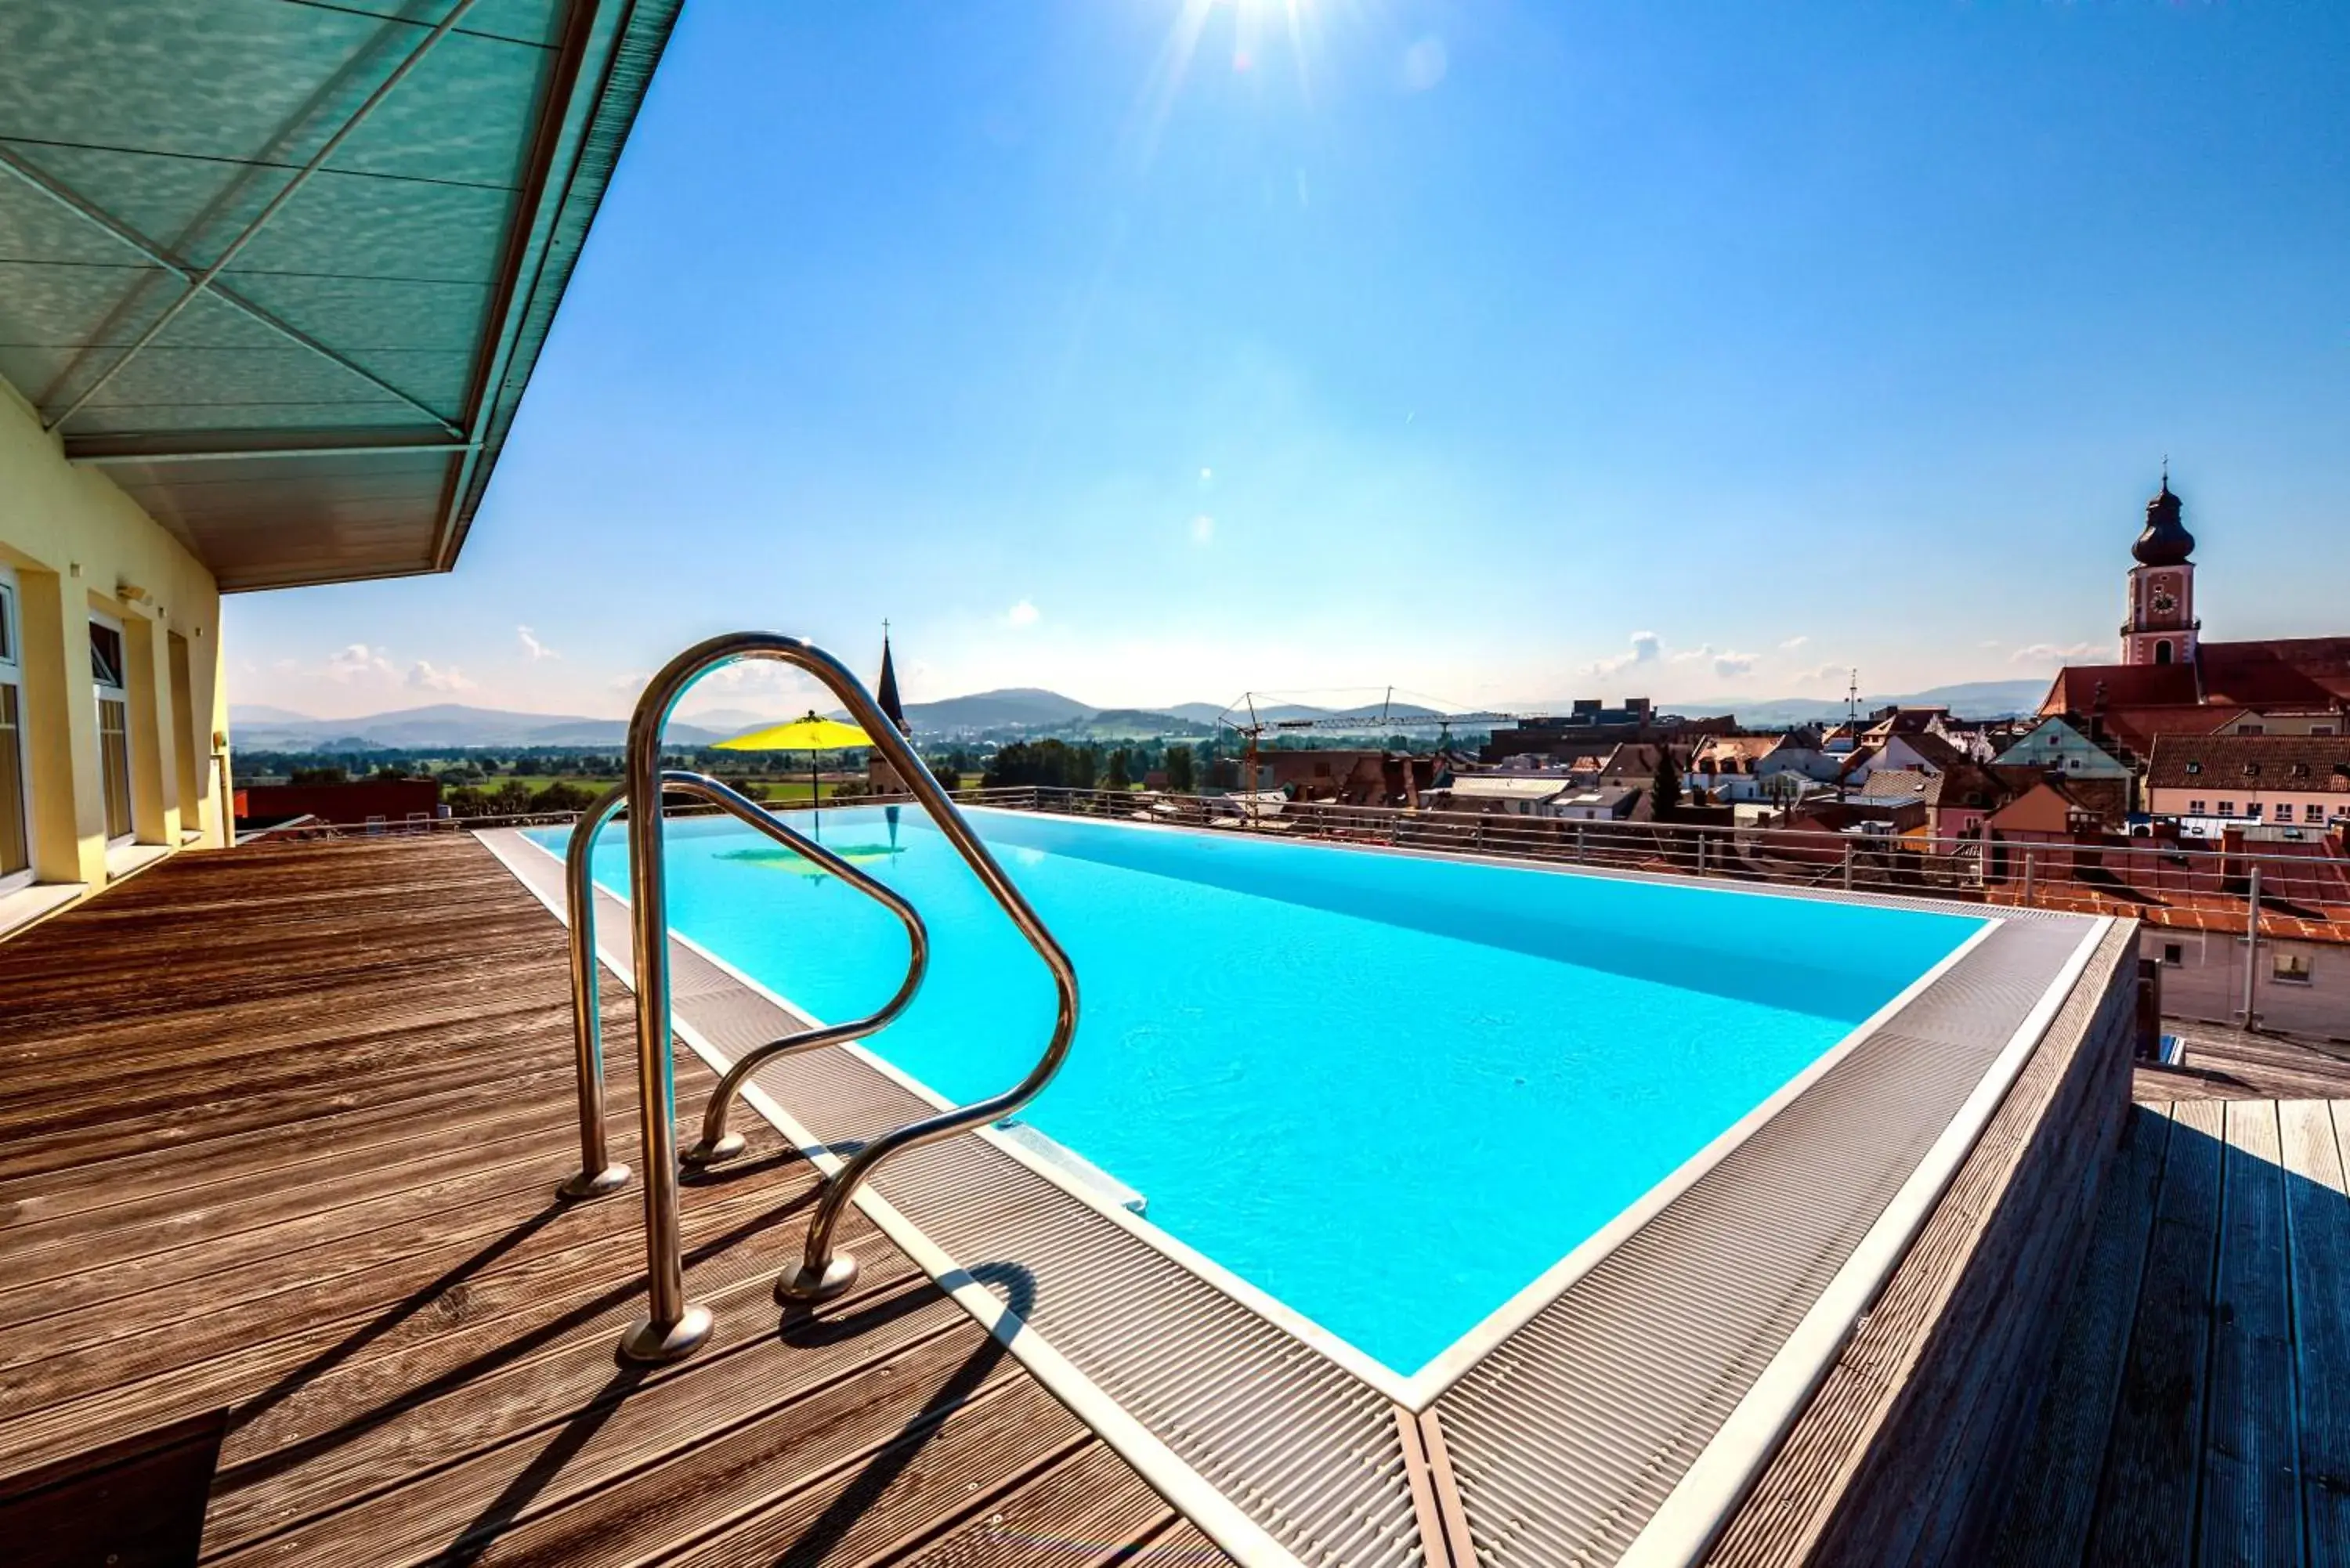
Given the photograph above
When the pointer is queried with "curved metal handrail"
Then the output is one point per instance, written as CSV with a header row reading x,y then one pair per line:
x,y
597,1174
674,1326
718,1144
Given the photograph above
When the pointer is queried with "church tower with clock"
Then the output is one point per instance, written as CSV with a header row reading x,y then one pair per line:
x,y
2161,627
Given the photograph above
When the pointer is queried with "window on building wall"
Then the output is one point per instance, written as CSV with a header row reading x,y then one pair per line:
x,y
106,669
2285,811
2227,808
2290,969
2195,808
2252,730
105,654
15,803
2173,955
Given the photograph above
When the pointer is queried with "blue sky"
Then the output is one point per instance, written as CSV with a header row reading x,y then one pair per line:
x,y
1153,350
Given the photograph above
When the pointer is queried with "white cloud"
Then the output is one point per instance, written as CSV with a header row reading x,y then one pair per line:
x,y
358,663
534,649
628,682
1645,647
1795,642
426,676
1203,529
2054,653
1726,661
1022,614
1423,64
1822,672
1207,476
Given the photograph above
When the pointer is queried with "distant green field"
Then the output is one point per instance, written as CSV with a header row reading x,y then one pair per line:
x,y
777,789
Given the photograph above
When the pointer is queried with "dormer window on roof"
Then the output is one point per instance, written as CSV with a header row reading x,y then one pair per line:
x,y
2195,767
2251,770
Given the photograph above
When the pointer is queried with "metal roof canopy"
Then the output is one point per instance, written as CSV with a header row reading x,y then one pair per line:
x,y
284,268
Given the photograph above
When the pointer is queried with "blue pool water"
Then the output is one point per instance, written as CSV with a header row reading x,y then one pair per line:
x,y
1388,1090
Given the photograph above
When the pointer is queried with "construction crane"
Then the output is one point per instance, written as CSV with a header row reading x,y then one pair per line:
x,y
1257,725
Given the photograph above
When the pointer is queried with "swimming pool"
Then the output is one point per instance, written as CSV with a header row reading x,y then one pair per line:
x,y
1389,1091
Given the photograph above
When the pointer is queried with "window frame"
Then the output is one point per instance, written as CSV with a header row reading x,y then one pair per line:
x,y
12,675
101,693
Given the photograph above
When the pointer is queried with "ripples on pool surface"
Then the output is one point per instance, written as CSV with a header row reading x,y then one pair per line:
x,y
1388,1090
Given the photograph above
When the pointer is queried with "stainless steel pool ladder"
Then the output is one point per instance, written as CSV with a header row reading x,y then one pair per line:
x,y
673,1326
598,1174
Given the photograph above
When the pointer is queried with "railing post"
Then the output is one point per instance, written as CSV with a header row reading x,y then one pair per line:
x,y
2031,872
1581,853
672,1327
598,1173
1701,852
2252,947
1847,865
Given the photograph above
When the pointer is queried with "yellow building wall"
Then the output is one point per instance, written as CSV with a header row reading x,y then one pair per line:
x,y
77,544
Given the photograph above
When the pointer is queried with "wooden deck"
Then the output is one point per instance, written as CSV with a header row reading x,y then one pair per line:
x,y
2199,1410
282,1272
2223,1063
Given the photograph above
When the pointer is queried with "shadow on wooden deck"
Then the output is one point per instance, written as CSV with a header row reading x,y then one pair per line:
x,y
279,1131
2199,1410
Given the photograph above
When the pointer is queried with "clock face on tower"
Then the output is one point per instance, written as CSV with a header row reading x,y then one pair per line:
x,y
2163,598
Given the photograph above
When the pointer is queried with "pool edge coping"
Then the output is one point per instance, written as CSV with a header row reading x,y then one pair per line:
x,y
1702,1502
1447,1367
1725,1465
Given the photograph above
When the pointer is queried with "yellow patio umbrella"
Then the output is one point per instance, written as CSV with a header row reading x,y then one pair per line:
x,y
807,733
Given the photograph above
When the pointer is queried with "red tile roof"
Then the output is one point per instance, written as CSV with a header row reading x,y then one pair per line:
x,y
2283,671
2086,687
2281,764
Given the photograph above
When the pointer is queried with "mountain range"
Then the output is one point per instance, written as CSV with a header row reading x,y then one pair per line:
x,y
1024,708
450,725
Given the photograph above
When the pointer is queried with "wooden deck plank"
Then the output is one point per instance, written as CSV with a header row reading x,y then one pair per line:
x,y
520,1296
239,1156
2048,1518
632,1428
2226,1063
353,1198
1090,1508
337,1445
2154,1459
288,1247
552,1242
190,1127
279,1132
949,1458
2251,1512
2316,1150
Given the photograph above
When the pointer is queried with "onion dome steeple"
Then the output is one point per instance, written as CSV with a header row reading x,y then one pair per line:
x,y
2166,541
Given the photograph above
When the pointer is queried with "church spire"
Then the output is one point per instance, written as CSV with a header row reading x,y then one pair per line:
x,y
886,692
2165,541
